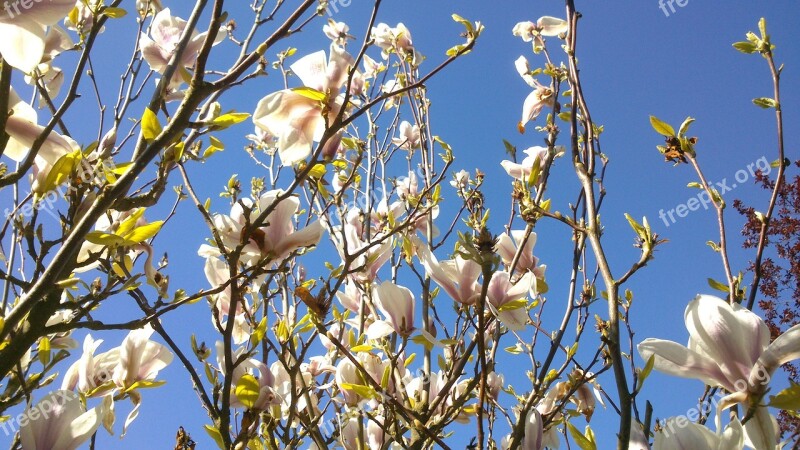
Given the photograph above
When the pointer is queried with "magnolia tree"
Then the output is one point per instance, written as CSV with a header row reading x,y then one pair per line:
x,y
351,306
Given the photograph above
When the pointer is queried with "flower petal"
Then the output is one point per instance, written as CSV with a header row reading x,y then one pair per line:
x,y
675,359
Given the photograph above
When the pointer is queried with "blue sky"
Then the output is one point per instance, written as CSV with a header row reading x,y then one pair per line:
x,y
635,61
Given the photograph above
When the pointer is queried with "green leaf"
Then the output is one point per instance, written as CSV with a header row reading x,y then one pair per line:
x,y
695,184
215,435
467,24
61,171
104,239
114,13
717,285
745,47
513,305
309,93
247,390
765,102
362,348
662,128
510,149
685,126
151,127
129,223
144,232
787,399
648,367
229,119
44,350
583,442
360,390
216,143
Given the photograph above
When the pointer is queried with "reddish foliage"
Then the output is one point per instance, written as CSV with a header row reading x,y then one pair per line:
x,y
779,290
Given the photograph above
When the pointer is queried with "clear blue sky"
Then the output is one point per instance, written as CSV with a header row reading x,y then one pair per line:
x,y
635,61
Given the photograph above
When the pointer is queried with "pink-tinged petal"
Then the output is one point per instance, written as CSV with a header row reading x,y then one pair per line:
x,y
311,70
677,433
761,431
551,26
534,431
22,45
533,104
24,133
731,335
48,12
293,118
305,237
155,56
397,304
783,349
65,427
380,329
675,359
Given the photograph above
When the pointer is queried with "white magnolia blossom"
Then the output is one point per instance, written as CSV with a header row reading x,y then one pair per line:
x,y
91,371
337,32
409,136
299,118
90,253
729,347
56,41
23,130
60,422
393,40
522,170
460,180
545,26
23,26
507,247
165,35
273,241
681,434
396,303
502,292
374,248
542,96
218,274
458,276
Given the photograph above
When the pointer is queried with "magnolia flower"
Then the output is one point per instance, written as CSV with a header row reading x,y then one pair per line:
x,y
59,422
396,303
535,101
522,171
218,274
729,348
507,247
678,433
140,360
348,375
352,238
397,39
23,26
297,400
23,130
165,35
371,67
299,118
545,26
275,240
533,433
56,41
337,32
502,293
458,277
90,371
147,7
460,180
409,136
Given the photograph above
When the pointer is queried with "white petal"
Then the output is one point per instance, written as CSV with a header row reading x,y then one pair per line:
x,y
22,44
675,359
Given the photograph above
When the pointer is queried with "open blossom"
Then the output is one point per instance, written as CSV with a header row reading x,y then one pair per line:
x,y
409,136
502,292
60,422
507,247
522,170
541,96
392,40
91,371
729,348
337,32
251,367
545,26
297,118
373,247
396,303
460,179
165,35
218,274
678,434
23,130
458,276
275,240
56,41
532,435
23,26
